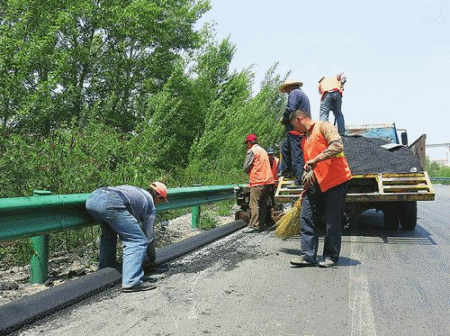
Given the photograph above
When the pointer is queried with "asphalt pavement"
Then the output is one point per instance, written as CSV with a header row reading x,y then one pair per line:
x,y
386,283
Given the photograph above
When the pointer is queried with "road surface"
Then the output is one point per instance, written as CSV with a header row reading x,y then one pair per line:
x,y
387,283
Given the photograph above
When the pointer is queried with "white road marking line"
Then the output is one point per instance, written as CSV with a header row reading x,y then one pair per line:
x,y
363,321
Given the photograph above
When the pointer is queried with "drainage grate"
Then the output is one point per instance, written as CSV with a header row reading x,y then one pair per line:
x,y
410,240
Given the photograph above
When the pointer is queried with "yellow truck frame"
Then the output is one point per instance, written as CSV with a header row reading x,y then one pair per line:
x,y
394,194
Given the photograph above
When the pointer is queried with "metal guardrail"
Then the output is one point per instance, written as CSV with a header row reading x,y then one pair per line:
x,y
38,215
440,179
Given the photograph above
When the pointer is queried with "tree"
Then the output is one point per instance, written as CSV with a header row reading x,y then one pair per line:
x,y
219,150
177,113
84,59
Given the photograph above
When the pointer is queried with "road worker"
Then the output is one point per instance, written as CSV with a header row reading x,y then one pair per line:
x,y
261,183
326,186
274,161
129,212
331,90
291,154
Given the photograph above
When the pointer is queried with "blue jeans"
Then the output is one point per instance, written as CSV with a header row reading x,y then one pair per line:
x,y
107,207
292,155
332,101
322,211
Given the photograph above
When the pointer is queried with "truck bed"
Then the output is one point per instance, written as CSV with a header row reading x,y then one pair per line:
x,y
381,187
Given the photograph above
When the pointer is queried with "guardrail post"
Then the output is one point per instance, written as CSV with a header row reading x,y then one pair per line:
x,y
195,212
39,259
195,216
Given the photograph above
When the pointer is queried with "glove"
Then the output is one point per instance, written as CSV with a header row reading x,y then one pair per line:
x,y
308,178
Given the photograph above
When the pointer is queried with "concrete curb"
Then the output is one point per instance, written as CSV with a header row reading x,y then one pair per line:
x,y
30,309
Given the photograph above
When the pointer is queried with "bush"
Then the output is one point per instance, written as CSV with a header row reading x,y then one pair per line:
x,y
207,221
224,207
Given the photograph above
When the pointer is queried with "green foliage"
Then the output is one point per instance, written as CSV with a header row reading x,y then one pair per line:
x,y
434,169
101,93
88,59
224,207
219,151
206,221
15,252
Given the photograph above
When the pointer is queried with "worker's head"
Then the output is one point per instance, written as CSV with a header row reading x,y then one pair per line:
x,y
270,151
250,140
289,85
300,120
159,192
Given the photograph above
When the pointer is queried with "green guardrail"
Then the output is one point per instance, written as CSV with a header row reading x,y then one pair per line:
x,y
440,179
43,213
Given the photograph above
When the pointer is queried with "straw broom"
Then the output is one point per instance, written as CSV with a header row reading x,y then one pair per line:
x,y
287,226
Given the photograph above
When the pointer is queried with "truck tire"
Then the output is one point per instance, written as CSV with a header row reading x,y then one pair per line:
x,y
408,215
391,216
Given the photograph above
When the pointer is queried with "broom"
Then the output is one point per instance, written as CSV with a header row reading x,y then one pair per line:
x,y
287,226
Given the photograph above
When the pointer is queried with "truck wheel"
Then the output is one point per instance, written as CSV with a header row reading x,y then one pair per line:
x,y
408,215
391,217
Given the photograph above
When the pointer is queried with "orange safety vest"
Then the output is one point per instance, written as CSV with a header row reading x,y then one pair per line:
x,y
261,173
329,84
331,172
275,169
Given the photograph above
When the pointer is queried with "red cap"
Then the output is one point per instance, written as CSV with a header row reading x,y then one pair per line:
x,y
250,138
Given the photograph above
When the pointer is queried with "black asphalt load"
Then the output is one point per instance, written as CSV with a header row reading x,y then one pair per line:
x,y
30,309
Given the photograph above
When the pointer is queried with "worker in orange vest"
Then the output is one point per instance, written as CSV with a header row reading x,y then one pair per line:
x,y
326,182
261,183
273,160
331,90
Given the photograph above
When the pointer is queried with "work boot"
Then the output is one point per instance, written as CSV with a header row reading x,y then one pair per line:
x,y
302,262
251,229
143,286
327,263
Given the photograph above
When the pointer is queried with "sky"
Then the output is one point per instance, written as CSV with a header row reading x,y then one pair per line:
x,y
395,54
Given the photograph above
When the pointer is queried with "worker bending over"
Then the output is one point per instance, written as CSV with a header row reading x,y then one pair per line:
x,y
326,180
129,212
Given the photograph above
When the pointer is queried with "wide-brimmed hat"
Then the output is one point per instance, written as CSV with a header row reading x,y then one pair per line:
x,y
289,82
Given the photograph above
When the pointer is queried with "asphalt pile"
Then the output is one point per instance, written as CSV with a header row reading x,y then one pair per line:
x,y
366,156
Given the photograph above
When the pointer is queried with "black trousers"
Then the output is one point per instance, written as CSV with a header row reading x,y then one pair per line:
x,y
322,212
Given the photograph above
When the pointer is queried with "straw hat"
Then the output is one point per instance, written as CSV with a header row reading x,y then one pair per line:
x,y
289,82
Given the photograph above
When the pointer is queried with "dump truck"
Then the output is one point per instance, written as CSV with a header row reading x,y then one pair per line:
x,y
393,188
